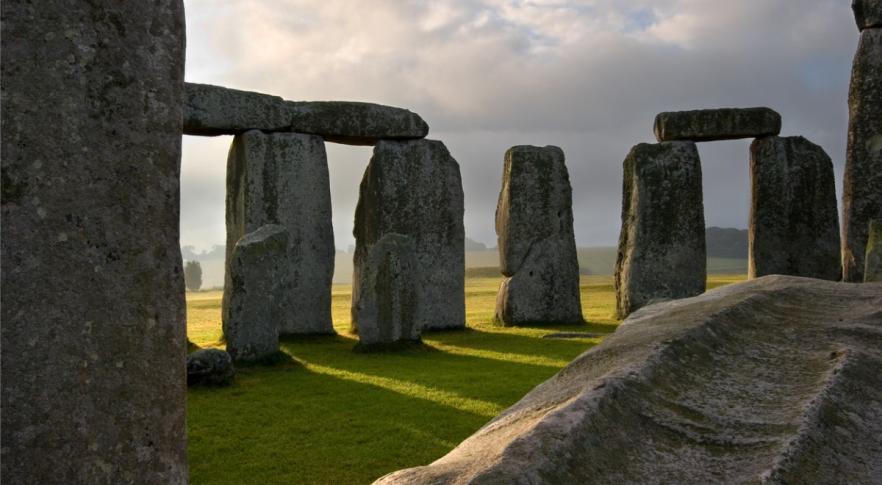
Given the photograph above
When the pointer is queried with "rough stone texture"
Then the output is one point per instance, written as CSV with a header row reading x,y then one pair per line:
x,y
873,259
93,321
717,124
215,110
210,367
387,298
258,284
537,248
282,178
414,188
662,251
775,380
794,220
867,13
862,190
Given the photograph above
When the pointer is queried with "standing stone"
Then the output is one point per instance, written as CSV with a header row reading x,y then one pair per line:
x,y
873,259
794,224
93,320
537,247
385,311
862,191
662,251
414,188
258,284
867,13
282,178
716,124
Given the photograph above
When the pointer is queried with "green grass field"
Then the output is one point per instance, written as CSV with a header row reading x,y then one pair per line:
x,y
338,417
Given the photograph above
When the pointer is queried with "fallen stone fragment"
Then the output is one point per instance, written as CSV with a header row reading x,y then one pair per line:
x,y
413,188
867,13
385,295
662,253
537,247
215,110
282,178
716,124
861,195
92,318
873,259
259,283
794,219
573,335
774,380
210,367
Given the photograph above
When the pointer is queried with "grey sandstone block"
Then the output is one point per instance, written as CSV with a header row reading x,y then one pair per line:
x,y
716,124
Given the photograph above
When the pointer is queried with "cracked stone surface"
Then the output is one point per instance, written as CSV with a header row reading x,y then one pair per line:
x,y
774,380
716,124
867,13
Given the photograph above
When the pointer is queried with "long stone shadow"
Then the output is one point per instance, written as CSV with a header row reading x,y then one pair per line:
x,y
285,424
463,377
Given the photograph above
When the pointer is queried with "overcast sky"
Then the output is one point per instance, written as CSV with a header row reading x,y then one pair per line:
x,y
588,76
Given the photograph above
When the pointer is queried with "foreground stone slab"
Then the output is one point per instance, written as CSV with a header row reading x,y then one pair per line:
x,y
772,380
867,13
662,253
861,195
873,259
414,188
385,312
282,178
210,367
259,283
537,247
794,220
93,320
717,124
215,110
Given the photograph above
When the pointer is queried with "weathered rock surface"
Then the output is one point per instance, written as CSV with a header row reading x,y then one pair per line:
x,y
867,13
282,178
662,251
873,258
215,110
385,309
537,247
210,367
861,195
772,380
414,188
92,311
794,220
716,124
259,283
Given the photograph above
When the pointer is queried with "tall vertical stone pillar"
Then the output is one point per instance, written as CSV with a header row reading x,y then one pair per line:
x,y
414,188
794,224
662,252
537,247
282,178
862,189
93,332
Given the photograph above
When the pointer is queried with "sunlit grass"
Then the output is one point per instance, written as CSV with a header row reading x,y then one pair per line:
x,y
339,417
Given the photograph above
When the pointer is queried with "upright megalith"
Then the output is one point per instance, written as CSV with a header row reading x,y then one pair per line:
x,y
862,190
873,258
282,178
413,188
662,252
93,321
716,124
215,110
537,248
794,224
258,285
385,296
